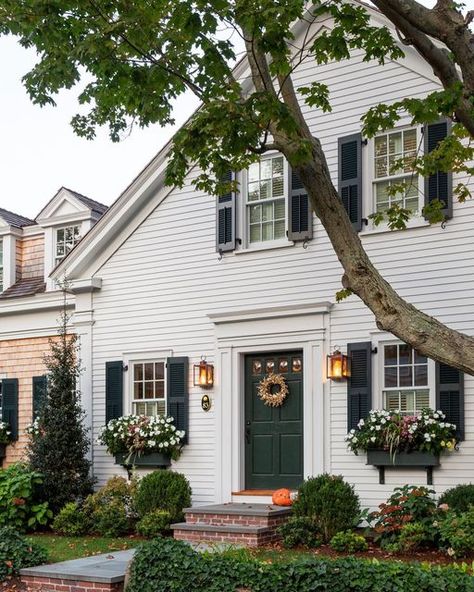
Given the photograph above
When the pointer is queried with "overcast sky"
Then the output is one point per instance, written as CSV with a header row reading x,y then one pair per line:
x,y
39,151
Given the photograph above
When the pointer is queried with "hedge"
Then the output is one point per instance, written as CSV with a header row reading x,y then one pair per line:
x,y
167,565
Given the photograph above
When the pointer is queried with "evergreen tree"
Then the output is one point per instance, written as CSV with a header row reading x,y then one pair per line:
x,y
59,443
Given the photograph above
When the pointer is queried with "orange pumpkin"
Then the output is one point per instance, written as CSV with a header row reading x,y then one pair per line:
x,y
282,497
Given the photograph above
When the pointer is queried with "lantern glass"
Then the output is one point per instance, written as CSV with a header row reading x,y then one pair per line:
x,y
203,374
338,367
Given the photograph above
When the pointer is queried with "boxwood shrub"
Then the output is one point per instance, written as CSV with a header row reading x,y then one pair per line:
x,y
167,565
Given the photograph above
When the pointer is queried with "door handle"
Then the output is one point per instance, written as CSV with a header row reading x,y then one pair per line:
x,y
247,435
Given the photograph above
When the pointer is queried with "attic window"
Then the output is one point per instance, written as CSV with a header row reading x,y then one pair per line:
x,y
66,239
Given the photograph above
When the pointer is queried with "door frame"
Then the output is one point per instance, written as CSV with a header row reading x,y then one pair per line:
x,y
303,327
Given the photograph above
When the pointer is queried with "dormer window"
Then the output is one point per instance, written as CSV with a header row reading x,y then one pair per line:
x,y
66,239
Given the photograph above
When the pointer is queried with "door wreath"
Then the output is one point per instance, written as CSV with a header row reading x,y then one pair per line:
x,y
265,390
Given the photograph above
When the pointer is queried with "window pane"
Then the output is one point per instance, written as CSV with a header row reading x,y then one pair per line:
x,y
395,143
254,191
149,394
265,189
392,401
279,229
254,172
390,355
422,400
405,353
381,196
159,390
160,408
267,212
138,390
255,235
267,231
149,371
138,372
420,359
255,213
277,166
405,376
381,146
407,400
139,408
421,375
381,167
391,377
409,140
277,186
266,169
159,370
279,209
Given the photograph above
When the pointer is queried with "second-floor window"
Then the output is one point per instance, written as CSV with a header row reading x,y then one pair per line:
x,y
266,200
389,148
66,239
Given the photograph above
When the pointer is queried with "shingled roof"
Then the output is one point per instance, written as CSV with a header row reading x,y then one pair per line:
x,y
95,206
25,287
15,219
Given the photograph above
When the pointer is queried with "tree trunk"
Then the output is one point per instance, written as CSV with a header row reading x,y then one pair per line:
x,y
394,314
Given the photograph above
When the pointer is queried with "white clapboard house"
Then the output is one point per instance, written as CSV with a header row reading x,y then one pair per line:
x,y
168,276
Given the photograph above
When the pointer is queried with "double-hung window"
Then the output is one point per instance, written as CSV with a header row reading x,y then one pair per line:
x,y
66,239
390,148
405,379
148,388
266,189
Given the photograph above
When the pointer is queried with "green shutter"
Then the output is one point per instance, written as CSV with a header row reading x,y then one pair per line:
x,y
350,177
440,185
113,390
177,393
450,395
359,385
10,404
39,394
226,218
300,224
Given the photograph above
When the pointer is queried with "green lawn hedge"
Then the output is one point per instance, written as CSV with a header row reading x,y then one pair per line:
x,y
166,565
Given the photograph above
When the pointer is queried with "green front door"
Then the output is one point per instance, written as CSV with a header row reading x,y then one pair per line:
x,y
274,435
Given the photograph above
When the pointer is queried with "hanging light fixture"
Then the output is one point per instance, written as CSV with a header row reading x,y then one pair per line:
x,y
338,366
203,374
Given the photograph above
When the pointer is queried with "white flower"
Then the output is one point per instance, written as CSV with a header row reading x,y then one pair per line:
x,y
373,439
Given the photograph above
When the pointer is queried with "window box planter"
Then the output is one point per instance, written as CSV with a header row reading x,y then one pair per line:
x,y
383,458
157,460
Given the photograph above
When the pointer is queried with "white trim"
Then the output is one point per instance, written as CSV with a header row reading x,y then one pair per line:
x,y
38,302
236,336
273,312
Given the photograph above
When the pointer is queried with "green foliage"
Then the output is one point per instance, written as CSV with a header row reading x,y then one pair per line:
x,y
19,502
71,521
329,502
459,498
163,490
111,510
348,542
407,504
457,533
415,535
167,565
58,448
16,553
299,531
154,524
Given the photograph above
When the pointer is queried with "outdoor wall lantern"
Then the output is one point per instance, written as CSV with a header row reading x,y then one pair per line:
x,y
338,366
203,374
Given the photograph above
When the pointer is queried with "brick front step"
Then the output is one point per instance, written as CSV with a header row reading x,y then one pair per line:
x,y
252,525
249,536
238,514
